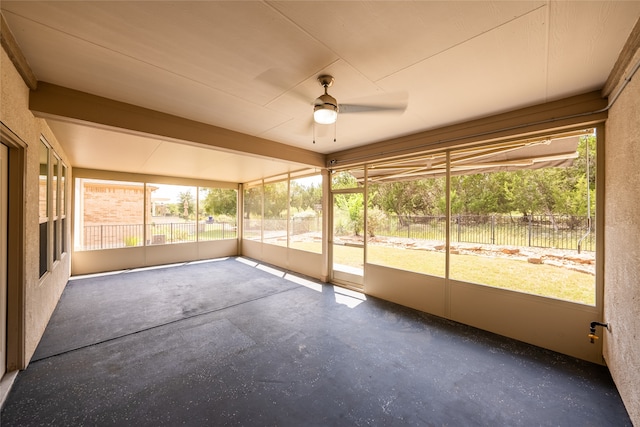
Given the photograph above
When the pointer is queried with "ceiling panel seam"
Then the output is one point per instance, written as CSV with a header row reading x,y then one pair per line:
x,y
453,46
339,57
135,59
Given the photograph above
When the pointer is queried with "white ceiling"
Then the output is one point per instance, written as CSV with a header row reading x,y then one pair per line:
x,y
251,67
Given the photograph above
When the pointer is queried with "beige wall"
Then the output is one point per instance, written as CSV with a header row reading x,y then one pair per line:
x,y
41,296
89,262
622,243
303,262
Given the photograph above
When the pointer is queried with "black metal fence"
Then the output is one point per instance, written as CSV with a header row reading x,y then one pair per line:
x,y
277,228
111,236
548,231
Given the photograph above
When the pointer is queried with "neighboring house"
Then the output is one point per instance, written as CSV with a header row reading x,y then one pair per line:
x,y
111,214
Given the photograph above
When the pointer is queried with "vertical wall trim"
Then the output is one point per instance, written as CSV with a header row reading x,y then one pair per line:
x,y
326,224
262,198
145,219
447,244
600,222
240,217
289,222
197,210
365,222
48,208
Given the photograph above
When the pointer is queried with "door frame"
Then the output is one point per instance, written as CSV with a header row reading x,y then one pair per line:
x,y
15,258
4,192
348,280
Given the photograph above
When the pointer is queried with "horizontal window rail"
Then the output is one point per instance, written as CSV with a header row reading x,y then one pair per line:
x,y
112,236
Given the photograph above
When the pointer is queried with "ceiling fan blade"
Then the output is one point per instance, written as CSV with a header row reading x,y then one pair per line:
x,y
303,127
357,108
280,80
395,102
314,129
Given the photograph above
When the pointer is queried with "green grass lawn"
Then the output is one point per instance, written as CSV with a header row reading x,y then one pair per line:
x,y
517,275
217,234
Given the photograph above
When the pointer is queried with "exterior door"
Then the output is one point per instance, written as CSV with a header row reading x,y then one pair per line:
x,y
347,238
4,201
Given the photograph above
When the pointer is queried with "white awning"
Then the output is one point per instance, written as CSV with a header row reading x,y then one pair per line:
x,y
557,152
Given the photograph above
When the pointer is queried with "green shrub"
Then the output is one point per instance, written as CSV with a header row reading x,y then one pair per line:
x,y
131,241
375,219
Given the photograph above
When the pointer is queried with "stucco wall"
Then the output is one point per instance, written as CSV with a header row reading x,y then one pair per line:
x,y
41,296
622,244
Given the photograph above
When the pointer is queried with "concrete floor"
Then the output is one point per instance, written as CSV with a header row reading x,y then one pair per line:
x,y
230,342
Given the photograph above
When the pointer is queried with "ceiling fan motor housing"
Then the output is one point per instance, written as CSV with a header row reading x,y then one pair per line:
x,y
326,99
325,110
326,81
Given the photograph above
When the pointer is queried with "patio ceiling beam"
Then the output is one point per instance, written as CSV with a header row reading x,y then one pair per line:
x,y
60,103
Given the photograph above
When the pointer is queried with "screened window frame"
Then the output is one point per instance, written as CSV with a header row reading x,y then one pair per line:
x,y
54,246
145,180
45,263
444,156
282,178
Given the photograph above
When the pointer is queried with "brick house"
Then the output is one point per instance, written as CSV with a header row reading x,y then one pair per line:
x,y
111,213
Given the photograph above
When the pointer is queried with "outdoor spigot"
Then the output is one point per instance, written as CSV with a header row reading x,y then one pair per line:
x,y
592,331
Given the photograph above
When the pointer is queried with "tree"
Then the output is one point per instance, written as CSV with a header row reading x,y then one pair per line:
x,y
574,199
220,201
554,191
353,206
253,202
343,179
305,197
275,200
409,198
480,194
375,220
186,204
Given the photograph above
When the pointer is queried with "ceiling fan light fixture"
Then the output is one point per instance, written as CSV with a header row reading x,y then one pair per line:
x,y
325,110
325,114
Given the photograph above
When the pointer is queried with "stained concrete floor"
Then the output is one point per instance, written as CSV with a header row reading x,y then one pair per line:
x,y
230,342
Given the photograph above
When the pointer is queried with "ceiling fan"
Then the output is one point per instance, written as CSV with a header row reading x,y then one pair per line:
x,y
326,107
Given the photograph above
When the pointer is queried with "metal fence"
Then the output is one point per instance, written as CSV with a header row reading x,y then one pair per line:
x,y
548,231
276,228
111,236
